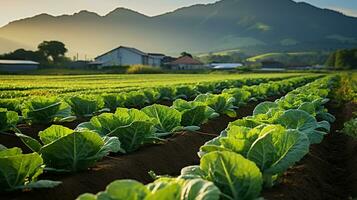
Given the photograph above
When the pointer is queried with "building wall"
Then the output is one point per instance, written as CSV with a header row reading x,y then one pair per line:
x,y
130,58
188,67
155,61
120,57
15,68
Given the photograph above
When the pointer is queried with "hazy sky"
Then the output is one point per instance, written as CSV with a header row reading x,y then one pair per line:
x,y
16,9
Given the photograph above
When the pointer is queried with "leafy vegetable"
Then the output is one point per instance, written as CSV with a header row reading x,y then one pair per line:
x,y
185,92
164,188
194,113
20,171
166,119
135,99
276,150
167,93
132,127
65,149
222,104
86,106
240,95
45,110
235,176
112,101
350,128
8,120
264,107
11,104
305,123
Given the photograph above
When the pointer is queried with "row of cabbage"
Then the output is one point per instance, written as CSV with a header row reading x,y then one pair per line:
x,y
65,150
47,110
250,154
83,105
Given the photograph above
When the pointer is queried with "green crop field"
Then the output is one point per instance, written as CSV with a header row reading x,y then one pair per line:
x,y
251,130
15,86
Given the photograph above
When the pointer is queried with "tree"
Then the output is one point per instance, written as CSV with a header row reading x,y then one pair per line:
x,y
53,50
331,60
186,54
22,54
343,59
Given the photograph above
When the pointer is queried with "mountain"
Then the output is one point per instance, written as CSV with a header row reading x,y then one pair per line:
x,y
249,25
8,45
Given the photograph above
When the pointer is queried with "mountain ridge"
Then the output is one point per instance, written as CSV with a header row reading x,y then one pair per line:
x,y
227,24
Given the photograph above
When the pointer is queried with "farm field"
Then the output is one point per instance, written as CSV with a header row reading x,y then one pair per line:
x,y
163,139
36,85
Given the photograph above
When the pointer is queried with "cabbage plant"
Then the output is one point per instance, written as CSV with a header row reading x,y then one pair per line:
x,y
272,148
45,110
185,92
132,127
304,123
167,93
8,120
240,95
11,104
222,104
86,106
194,113
168,120
135,99
66,150
235,176
112,101
20,171
163,188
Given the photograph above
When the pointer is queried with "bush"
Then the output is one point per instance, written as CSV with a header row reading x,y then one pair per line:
x,y
143,69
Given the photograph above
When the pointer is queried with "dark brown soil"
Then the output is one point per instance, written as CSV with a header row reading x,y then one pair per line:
x,y
329,171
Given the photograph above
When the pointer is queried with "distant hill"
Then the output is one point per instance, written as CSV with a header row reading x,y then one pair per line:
x,y
249,25
8,45
293,58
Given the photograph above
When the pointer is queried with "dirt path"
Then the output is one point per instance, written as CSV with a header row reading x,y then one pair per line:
x,y
328,172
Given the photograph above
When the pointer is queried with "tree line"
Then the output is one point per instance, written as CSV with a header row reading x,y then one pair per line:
x,y
343,59
47,53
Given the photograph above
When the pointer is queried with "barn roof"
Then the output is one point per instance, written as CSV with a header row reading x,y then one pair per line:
x,y
18,62
186,60
132,49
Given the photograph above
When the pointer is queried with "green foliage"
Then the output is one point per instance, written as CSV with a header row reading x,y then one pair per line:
x,y
11,104
235,176
343,59
8,120
166,119
132,127
304,123
20,171
22,54
350,128
45,110
66,150
86,106
143,69
164,188
194,113
112,101
55,50
292,58
222,104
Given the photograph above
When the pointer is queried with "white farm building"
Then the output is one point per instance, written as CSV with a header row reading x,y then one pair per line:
x,y
18,65
126,56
